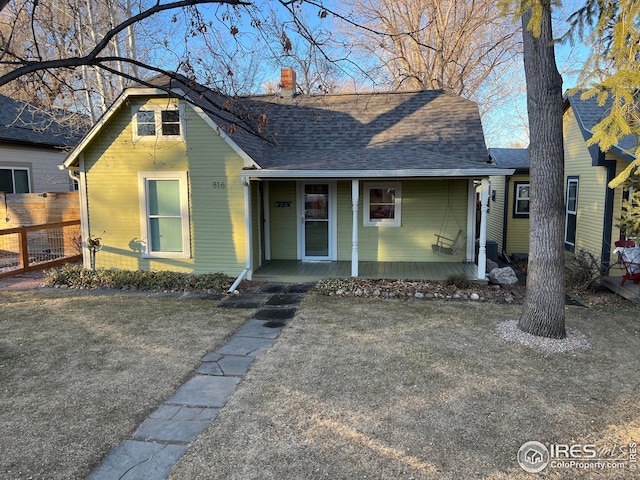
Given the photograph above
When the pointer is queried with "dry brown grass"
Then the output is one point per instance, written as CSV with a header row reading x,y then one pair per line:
x,y
80,372
361,388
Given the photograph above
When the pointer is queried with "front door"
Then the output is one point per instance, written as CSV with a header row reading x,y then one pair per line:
x,y
317,221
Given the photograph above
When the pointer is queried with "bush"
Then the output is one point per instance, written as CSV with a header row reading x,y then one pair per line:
x,y
582,271
75,276
459,281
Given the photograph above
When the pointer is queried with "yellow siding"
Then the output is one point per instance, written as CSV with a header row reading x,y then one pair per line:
x,y
423,210
591,187
424,204
495,216
216,199
284,233
517,228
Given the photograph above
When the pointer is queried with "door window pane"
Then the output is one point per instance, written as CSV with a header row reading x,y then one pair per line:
x,y
316,238
316,201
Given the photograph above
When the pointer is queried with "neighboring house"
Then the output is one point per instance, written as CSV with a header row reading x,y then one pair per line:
x,y
592,208
193,181
508,216
32,146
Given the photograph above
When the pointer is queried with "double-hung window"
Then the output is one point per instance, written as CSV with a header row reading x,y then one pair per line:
x,y
521,200
382,204
158,122
14,180
164,214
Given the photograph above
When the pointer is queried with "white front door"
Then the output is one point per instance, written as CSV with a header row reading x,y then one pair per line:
x,y
317,227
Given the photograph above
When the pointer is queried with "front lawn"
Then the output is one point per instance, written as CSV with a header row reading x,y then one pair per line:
x,y
79,372
362,388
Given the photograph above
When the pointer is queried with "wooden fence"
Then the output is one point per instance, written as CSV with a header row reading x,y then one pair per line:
x,y
21,209
35,247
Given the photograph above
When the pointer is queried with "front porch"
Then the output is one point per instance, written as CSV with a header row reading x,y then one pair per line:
x,y
630,290
294,271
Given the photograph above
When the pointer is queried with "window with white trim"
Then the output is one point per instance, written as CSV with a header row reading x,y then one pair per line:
x,y
158,122
14,180
382,204
521,200
164,214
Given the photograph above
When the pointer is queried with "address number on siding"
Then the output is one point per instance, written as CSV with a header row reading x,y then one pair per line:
x,y
218,185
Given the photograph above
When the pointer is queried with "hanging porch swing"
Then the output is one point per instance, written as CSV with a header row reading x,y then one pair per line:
x,y
448,245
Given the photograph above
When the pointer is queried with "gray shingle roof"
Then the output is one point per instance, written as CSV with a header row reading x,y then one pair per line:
x,y
21,122
589,113
517,158
374,131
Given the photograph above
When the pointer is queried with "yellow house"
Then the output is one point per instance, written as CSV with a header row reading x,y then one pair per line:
x,y
592,208
178,177
508,215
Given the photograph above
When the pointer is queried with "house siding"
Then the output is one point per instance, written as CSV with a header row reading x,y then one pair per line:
x,y
495,216
216,199
423,211
517,228
44,174
424,206
592,190
283,221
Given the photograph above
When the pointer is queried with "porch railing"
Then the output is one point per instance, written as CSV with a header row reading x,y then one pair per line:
x,y
35,247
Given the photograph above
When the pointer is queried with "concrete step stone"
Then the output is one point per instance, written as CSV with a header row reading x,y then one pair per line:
x,y
249,346
258,328
134,460
205,391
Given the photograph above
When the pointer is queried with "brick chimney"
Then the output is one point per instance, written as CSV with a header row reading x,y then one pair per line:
x,y
287,82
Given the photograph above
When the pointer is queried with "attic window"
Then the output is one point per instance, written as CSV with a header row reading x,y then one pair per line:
x,y
156,122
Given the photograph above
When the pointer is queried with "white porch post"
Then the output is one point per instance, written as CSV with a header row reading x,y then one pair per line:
x,y
355,193
484,208
471,222
247,227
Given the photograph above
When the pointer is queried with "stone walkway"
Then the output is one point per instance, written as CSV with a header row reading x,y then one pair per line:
x,y
164,436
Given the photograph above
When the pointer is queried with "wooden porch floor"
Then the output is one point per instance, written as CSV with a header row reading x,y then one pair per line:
x,y
630,290
297,271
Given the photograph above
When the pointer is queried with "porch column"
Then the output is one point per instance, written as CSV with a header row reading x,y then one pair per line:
x,y
247,227
484,208
355,193
471,222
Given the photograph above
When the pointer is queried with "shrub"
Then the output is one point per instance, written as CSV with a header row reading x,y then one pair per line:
x,y
459,281
582,271
77,277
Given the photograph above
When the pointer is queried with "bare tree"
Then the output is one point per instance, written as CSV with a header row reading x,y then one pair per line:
x,y
462,46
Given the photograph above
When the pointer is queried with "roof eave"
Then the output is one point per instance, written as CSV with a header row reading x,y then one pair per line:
x,y
403,173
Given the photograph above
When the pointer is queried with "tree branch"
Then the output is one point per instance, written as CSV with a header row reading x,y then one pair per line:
x,y
89,59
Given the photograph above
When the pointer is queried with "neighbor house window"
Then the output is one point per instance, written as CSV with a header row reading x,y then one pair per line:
x,y
521,200
14,180
164,212
382,204
158,122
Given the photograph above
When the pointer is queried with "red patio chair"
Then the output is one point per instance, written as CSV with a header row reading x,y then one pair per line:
x,y
629,256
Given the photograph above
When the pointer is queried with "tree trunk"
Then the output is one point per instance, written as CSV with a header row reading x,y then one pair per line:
x,y
543,311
